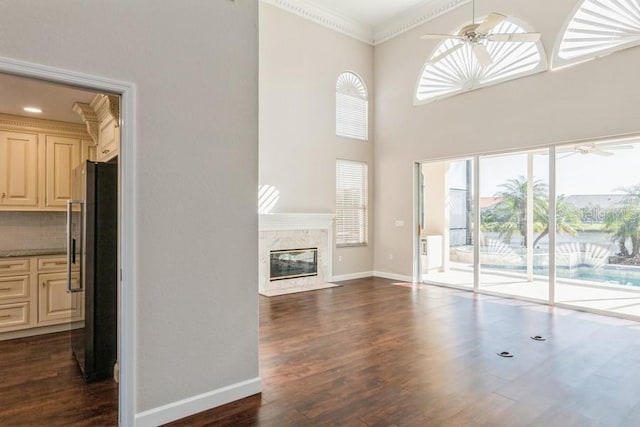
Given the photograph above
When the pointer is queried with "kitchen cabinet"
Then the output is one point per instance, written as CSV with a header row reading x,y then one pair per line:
x,y
106,110
37,158
62,157
16,302
108,145
55,304
18,170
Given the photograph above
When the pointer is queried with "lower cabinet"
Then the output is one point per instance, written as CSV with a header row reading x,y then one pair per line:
x,y
55,303
33,294
16,295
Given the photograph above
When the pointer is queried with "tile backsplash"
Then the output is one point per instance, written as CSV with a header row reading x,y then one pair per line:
x,y
32,230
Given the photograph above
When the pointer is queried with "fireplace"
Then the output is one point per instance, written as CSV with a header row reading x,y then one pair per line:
x,y
293,263
281,233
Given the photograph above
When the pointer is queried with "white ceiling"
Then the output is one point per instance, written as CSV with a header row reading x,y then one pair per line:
x,y
56,101
372,13
370,21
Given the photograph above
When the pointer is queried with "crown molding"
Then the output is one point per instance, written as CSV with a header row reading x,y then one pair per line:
x,y
41,125
414,17
418,15
325,18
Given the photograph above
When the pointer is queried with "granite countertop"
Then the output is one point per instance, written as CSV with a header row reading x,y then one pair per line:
x,y
32,252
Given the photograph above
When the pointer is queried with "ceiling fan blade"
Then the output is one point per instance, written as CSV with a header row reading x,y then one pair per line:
x,y
490,22
600,152
514,37
440,36
446,53
482,54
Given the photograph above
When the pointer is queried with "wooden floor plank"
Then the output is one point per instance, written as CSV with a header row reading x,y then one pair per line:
x,y
41,385
370,353
373,354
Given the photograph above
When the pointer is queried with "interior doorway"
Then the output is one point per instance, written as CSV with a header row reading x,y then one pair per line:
x,y
125,92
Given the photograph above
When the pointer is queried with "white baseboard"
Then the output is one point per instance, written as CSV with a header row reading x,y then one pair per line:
x,y
393,276
202,402
351,276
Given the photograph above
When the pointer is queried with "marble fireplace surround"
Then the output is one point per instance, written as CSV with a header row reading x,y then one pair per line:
x,y
293,231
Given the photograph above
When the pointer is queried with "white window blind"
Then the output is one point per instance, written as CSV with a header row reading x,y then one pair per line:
x,y
461,72
598,27
351,203
352,107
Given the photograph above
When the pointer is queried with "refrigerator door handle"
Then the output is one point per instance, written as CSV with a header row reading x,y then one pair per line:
x,y
72,244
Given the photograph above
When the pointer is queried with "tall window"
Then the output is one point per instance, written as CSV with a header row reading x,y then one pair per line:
x,y
351,203
352,107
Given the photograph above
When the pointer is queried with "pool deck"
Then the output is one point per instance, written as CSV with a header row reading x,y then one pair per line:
x,y
614,299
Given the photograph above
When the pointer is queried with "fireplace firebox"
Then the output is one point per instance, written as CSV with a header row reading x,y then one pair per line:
x,y
292,263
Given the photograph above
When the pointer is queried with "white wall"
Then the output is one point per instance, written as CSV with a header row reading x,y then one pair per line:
x,y
597,98
299,64
195,67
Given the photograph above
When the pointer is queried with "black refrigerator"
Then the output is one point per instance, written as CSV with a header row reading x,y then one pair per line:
x,y
92,266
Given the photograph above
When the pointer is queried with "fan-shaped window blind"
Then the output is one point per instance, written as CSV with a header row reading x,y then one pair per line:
x,y
352,107
460,72
351,203
596,28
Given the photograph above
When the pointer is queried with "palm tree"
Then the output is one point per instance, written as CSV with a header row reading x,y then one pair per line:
x,y
511,212
624,223
509,216
567,219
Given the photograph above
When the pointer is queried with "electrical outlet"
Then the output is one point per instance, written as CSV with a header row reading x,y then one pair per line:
x,y
390,256
339,258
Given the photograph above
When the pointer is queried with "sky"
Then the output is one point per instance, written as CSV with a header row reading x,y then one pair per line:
x,y
575,174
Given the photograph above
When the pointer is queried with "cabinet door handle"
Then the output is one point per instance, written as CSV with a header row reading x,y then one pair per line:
x,y
5,266
105,151
5,289
43,284
5,316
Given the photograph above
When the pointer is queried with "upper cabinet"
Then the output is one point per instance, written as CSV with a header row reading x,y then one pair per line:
x,y
63,156
18,169
37,158
102,117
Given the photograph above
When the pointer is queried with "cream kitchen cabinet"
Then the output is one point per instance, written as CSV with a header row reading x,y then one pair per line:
x,y
55,303
63,156
17,308
18,170
106,109
37,158
109,140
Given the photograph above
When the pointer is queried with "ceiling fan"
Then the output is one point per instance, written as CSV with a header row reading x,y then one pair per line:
x,y
475,33
599,150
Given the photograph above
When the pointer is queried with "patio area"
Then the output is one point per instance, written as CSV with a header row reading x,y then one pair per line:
x,y
617,300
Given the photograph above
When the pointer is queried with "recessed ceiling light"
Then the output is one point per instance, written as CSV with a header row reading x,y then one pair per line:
x,y
32,109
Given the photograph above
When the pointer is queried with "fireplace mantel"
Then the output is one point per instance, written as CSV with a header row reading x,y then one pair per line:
x,y
296,221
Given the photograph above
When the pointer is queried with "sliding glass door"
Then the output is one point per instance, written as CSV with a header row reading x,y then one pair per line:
x,y
514,205
558,225
598,226
446,234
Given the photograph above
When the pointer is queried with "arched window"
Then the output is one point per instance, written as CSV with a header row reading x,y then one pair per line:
x,y
352,107
598,27
460,71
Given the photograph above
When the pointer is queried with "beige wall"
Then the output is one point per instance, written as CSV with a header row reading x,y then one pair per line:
x,y
196,240
597,98
299,64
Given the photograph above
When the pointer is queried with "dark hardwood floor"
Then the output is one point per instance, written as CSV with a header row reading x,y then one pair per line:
x,y
371,353
41,385
375,354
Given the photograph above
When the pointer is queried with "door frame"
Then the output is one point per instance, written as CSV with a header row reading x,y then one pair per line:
x,y
126,211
